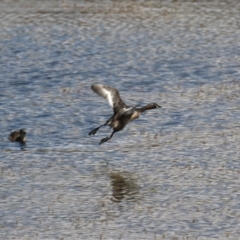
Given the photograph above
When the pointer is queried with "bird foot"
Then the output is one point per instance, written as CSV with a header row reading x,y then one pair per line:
x,y
93,131
104,140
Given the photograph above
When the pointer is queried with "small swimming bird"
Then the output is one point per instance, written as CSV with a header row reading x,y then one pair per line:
x,y
18,136
122,114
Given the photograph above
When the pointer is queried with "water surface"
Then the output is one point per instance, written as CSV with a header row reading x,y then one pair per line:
x,y
173,173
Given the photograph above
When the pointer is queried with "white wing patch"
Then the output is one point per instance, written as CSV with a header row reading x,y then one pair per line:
x,y
126,109
108,96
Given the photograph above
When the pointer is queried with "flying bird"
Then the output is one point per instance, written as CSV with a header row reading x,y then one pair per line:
x,y
122,114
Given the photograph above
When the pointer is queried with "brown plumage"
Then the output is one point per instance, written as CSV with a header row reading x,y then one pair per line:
x,y
122,114
18,136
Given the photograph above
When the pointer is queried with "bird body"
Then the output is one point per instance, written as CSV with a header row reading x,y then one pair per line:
x,y
18,136
122,114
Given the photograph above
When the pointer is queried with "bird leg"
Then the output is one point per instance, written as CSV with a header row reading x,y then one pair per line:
x,y
107,138
96,129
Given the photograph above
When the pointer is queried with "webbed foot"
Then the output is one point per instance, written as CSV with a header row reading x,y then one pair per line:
x,y
104,140
93,131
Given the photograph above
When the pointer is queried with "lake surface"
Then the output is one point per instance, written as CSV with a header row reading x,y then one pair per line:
x,y
172,174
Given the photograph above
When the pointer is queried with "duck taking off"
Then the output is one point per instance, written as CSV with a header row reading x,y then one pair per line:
x,y
122,114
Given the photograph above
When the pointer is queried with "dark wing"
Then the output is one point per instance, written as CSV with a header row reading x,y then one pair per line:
x,y
14,136
112,96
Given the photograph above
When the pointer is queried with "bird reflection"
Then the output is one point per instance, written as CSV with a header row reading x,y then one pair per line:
x,y
23,146
123,186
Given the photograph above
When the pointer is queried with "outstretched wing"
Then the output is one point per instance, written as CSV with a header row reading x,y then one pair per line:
x,y
111,94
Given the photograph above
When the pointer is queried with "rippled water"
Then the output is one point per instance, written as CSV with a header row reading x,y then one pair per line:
x,y
172,174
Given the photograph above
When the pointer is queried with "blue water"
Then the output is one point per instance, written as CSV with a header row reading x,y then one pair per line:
x,y
172,173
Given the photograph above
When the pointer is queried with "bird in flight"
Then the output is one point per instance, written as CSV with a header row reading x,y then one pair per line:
x,y
122,114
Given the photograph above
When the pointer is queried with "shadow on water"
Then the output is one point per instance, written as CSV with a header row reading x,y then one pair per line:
x,y
124,187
